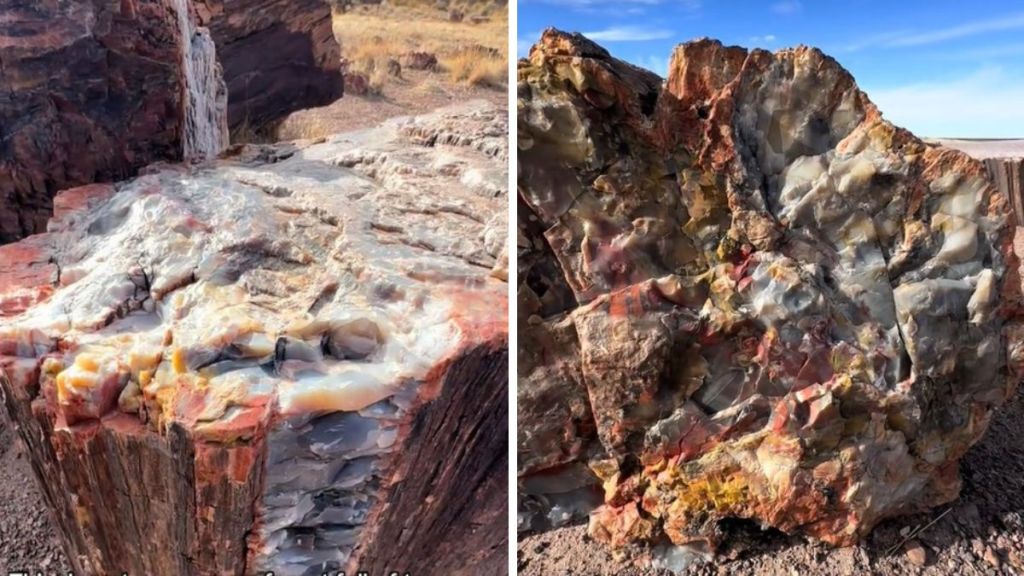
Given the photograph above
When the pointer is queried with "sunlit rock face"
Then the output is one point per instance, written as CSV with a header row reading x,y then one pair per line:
x,y
744,294
1004,160
290,360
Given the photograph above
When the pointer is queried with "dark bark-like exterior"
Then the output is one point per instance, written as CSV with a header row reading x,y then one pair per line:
x,y
278,56
117,488
447,512
90,90
1008,175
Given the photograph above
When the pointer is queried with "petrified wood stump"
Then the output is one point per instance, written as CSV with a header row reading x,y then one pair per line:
x,y
278,56
744,294
292,360
92,90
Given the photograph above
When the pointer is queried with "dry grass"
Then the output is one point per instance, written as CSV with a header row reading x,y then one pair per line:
x,y
471,52
477,67
472,63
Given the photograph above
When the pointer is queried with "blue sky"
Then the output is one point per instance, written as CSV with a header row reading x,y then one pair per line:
x,y
939,68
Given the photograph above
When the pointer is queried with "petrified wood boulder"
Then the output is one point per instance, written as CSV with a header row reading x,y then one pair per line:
x,y
278,56
744,294
293,360
92,91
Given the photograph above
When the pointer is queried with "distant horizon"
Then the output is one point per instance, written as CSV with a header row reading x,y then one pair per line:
x,y
952,74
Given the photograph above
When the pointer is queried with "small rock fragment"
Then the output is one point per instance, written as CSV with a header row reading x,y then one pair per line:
x,y
916,553
992,557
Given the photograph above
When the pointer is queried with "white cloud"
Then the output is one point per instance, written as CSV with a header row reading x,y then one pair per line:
x,y
525,42
623,6
628,34
765,40
594,4
786,7
907,38
1011,22
987,52
523,46
656,64
984,104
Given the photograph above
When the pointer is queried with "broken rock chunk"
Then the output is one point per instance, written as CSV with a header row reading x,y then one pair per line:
x,y
748,296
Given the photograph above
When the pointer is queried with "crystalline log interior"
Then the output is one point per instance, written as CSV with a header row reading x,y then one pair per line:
x,y
292,359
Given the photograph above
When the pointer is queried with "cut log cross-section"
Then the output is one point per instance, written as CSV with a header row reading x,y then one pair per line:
x,y
293,360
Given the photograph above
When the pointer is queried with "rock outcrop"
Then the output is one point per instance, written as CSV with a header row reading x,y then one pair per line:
x,y
744,294
278,56
92,91
292,360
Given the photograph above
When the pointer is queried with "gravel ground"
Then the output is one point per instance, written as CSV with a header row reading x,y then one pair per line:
x,y
27,538
417,93
981,534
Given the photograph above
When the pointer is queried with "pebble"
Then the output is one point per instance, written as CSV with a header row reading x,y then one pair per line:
x,y
991,557
915,553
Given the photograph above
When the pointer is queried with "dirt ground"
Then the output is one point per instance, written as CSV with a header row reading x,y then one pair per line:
x,y
417,92
982,533
28,541
982,148
471,63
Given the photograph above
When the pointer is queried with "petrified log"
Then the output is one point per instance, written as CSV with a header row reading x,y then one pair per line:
x,y
96,89
747,295
1008,176
278,56
292,360
92,91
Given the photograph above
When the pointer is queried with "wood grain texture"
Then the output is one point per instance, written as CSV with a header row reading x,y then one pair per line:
x,y
446,511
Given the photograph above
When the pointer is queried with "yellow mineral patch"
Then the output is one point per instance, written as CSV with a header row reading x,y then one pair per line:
x,y
87,363
178,361
80,381
62,392
727,495
52,367
145,376
144,359
165,400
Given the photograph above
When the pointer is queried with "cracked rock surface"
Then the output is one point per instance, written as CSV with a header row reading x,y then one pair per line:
x,y
293,359
745,295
